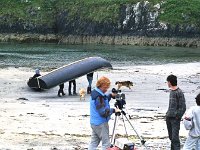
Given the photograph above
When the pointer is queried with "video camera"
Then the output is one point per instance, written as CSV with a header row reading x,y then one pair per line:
x,y
120,98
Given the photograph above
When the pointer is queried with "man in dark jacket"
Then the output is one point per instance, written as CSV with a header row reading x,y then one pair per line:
x,y
175,111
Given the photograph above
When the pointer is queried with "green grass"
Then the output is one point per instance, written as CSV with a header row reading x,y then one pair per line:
x,y
94,10
181,12
41,12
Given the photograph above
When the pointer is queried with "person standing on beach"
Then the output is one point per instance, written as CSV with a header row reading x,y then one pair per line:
x,y
89,78
61,90
100,113
191,122
74,87
175,111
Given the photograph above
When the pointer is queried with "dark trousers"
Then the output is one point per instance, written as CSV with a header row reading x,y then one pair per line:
x,y
173,127
70,86
61,87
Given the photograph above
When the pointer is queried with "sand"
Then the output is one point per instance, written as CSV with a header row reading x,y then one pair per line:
x,y
42,121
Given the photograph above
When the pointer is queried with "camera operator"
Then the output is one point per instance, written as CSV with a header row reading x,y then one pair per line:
x,y
100,113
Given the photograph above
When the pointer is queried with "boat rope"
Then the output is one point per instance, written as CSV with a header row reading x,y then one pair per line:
x,y
38,83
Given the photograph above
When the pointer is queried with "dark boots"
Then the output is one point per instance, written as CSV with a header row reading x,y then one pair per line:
x,y
89,90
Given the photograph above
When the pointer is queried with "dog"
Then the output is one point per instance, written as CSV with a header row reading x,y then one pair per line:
x,y
123,83
82,93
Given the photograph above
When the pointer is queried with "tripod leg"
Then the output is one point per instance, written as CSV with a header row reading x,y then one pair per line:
x,y
128,113
125,127
113,133
141,139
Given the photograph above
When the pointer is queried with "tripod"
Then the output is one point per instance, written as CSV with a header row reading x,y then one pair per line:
x,y
116,119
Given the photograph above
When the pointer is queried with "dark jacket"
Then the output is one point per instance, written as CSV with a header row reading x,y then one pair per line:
x,y
36,75
177,104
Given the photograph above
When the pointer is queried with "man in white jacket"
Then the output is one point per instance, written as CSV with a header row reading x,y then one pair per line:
x,y
192,123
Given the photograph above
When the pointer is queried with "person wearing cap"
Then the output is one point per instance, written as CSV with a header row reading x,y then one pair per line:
x,y
37,73
191,122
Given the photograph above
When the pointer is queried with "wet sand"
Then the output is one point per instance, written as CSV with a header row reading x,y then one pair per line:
x,y
41,120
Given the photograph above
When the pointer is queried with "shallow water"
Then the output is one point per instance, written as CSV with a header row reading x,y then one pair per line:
x,y
53,56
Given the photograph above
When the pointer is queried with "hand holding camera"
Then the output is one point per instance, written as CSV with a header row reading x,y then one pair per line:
x,y
117,110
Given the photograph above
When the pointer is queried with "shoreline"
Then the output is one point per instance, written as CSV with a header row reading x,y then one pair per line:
x,y
110,40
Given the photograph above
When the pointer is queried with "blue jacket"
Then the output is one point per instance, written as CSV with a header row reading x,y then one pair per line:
x,y
100,110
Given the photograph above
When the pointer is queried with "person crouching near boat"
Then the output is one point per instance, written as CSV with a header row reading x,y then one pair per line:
x,y
100,113
191,122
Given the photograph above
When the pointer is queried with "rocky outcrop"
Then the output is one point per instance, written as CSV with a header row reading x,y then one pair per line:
x,y
132,40
28,38
134,20
140,19
112,40
137,24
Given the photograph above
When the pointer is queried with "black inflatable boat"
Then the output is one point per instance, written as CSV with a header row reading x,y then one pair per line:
x,y
68,72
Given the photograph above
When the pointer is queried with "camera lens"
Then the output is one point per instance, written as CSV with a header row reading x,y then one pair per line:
x,y
114,90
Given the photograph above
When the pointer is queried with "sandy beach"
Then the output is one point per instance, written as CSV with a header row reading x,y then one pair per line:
x,y
42,121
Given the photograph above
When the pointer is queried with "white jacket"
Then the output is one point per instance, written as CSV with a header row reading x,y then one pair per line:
x,y
193,125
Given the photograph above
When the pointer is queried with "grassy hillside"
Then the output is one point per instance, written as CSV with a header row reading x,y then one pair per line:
x,y
34,11
96,10
45,11
181,12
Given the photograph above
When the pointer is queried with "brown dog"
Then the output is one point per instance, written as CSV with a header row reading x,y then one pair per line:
x,y
82,93
123,83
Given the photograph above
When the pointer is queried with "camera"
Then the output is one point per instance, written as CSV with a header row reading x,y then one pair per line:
x,y
120,98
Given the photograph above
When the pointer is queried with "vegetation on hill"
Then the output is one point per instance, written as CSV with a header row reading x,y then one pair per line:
x,y
39,12
96,10
45,11
181,12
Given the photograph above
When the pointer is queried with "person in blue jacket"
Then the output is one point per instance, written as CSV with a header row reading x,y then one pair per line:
x,y
100,113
